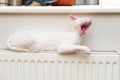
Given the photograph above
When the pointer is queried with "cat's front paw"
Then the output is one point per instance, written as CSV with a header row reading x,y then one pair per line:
x,y
35,48
84,50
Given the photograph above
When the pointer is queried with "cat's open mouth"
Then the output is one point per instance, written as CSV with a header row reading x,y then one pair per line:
x,y
85,25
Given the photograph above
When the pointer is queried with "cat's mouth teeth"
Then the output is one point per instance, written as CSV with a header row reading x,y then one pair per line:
x,y
83,29
85,26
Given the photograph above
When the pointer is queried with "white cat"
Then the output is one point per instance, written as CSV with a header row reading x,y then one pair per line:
x,y
63,42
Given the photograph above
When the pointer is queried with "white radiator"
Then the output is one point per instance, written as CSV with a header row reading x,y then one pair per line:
x,y
43,66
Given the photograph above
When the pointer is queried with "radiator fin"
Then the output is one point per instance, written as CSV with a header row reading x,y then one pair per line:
x,y
11,69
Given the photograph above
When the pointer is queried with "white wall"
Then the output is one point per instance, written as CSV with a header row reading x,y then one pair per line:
x,y
104,33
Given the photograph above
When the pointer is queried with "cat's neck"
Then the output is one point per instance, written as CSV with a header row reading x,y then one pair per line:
x,y
75,31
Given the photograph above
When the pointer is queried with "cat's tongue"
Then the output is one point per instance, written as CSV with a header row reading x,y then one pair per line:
x,y
83,30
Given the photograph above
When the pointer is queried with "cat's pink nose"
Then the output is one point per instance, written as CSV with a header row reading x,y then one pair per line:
x,y
88,22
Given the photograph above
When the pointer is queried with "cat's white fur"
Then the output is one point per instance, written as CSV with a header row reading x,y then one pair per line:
x,y
63,42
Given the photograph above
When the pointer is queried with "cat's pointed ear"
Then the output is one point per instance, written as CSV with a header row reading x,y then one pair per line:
x,y
73,17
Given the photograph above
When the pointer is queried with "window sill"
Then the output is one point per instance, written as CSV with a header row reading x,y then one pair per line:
x,y
60,9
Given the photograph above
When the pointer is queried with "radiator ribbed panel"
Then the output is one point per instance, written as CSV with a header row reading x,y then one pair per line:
x,y
54,67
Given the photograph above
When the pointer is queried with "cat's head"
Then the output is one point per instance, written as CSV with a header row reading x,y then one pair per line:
x,y
81,24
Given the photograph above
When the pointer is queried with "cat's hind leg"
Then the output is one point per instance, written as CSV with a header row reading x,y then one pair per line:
x,y
21,41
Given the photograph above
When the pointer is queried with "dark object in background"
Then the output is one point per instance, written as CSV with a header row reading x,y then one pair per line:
x,y
64,3
80,2
87,2
15,2
4,2
39,2
92,2
11,2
